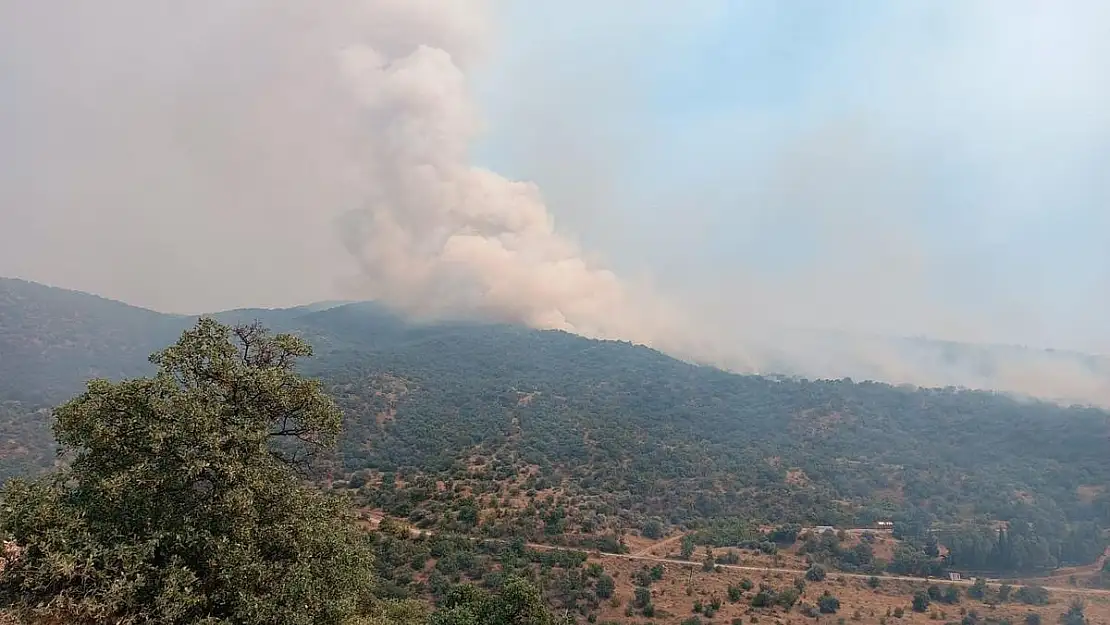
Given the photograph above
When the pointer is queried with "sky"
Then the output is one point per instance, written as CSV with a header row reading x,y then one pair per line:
x,y
937,168
687,175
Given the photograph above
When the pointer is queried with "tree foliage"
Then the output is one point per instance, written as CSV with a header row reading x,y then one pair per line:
x,y
828,604
518,603
182,502
816,573
1076,614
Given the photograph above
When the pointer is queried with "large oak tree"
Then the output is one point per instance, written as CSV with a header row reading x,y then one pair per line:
x,y
182,499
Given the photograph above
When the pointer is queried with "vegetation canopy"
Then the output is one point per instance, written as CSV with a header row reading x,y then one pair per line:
x,y
183,499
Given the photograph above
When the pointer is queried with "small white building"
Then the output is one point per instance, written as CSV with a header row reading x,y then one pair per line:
x,y
954,577
821,529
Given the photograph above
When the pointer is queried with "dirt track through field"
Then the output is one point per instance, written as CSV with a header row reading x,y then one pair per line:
x,y
643,556
646,551
993,583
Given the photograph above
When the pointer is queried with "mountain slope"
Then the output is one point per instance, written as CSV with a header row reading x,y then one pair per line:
x,y
624,433
52,340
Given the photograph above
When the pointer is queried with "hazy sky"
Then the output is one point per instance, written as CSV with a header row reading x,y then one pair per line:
x,y
912,167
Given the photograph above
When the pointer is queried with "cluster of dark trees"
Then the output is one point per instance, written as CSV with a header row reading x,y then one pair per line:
x,y
1024,546
827,548
1032,539
435,567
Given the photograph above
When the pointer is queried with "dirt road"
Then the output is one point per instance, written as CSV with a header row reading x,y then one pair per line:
x,y
646,551
643,556
992,583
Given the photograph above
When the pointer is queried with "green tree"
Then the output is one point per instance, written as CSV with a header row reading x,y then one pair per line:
x,y
764,598
1032,595
652,529
920,601
518,603
605,586
828,604
788,597
932,548
1075,614
816,573
641,596
978,590
184,499
688,545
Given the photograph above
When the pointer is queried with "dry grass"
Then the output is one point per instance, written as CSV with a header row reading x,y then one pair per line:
x,y
681,586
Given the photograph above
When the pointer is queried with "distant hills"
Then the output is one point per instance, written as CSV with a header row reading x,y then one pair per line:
x,y
59,338
1058,375
53,340
622,426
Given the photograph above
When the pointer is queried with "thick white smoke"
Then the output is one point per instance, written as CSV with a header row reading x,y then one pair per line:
x,y
437,235
231,139
222,153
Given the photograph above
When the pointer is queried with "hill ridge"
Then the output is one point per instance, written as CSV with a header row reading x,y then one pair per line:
x,y
625,433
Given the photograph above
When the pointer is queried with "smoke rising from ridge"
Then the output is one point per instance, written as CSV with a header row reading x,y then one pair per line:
x,y
440,236
225,153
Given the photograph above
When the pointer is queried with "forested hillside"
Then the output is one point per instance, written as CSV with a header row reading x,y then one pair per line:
x,y
460,422
52,340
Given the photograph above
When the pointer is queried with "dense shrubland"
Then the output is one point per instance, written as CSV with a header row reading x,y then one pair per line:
x,y
505,432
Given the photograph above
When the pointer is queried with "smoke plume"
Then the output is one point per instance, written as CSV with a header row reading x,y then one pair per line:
x,y
439,236
224,153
